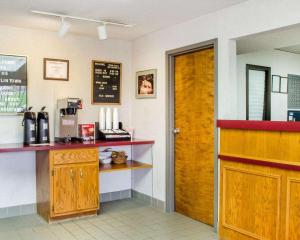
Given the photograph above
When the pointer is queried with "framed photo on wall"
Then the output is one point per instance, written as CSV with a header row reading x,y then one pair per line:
x,y
56,69
279,84
146,84
13,84
276,83
284,85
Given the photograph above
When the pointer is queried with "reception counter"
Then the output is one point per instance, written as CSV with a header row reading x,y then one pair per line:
x,y
260,180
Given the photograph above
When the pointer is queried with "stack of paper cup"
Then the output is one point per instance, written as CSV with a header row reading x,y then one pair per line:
x,y
108,120
102,119
115,119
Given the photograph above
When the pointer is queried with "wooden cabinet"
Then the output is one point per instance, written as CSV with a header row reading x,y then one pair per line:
x,y
87,188
75,188
67,183
64,190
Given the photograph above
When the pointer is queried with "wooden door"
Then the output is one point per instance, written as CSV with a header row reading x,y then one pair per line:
x,y
194,144
88,191
64,189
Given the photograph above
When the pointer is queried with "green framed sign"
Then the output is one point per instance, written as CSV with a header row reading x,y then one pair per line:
x,y
13,84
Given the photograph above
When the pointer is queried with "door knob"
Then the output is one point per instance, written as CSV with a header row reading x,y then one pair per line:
x,y
176,130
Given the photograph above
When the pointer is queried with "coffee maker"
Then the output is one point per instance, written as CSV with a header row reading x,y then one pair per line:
x,y
66,120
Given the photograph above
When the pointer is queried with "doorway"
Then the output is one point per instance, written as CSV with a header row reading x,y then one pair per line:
x,y
192,169
258,92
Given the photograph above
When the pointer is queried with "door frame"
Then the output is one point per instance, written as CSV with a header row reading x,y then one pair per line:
x,y
268,90
170,142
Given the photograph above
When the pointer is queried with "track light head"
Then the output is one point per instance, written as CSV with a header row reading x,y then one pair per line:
x,y
64,28
102,32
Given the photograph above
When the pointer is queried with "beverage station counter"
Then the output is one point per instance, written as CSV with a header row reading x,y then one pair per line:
x,y
18,147
67,175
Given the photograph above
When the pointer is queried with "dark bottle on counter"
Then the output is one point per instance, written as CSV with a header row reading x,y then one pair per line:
x,y
29,123
43,126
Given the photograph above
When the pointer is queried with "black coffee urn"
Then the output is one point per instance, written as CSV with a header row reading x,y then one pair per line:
x,y
29,123
43,126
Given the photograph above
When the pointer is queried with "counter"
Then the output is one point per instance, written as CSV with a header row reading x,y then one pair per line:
x,y
260,180
18,147
67,175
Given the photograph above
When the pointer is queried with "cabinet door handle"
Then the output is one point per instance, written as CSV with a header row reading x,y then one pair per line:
x,y
81,173
71,171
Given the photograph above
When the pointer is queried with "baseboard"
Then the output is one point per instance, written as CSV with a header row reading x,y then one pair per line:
x,y
29,209
156,203
20,210
113,196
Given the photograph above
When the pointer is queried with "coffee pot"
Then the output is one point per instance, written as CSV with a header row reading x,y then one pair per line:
x,y
43,126
29,123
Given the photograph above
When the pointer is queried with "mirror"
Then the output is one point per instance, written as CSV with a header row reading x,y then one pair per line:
x,y
268,73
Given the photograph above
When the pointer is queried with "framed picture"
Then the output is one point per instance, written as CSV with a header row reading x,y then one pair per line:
x,y
146,84
276,83
56,69
284,85
13,84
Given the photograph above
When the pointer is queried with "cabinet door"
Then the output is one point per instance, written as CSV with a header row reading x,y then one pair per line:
x,y
64,189
88,191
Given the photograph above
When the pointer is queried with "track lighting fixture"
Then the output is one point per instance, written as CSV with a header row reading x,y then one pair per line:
x,y
102,32
65,26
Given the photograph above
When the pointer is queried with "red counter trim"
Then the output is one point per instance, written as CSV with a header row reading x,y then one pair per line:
x,y
260,163
260,125
19,147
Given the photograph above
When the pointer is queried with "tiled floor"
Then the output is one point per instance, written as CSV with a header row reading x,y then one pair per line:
x,y
122,220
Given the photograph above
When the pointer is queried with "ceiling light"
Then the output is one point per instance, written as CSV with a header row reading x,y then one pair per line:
x,y
64,27
101,29
102,32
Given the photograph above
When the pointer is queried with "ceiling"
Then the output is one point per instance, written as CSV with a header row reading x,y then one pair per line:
x,y
148,15
284,39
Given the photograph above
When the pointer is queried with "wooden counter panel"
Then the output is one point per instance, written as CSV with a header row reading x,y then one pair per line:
x,y
43,179
259,202
283,146
251,202
293,208
74,156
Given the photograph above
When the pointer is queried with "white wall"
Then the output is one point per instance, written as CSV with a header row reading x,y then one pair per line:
x,y
149,52
17,170
281,63
80,51
17,179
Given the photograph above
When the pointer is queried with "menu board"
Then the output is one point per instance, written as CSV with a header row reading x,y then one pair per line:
x,y
13,83
106,82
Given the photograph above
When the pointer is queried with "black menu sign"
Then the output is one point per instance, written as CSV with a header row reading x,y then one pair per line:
x,y
106,82
13,83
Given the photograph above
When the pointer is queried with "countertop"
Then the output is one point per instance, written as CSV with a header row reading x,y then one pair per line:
x,y
18,147
282,126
